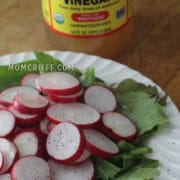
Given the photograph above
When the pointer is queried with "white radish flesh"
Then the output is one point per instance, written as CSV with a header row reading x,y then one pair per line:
x,y
5,177
80,114
1,160
65,143
7,95
85,155
84,171
50,126
7,123
25,120
58,83
99,144
9,152
101,98
67,98
31,168
26,143
43,126
29,80
32,104
119,127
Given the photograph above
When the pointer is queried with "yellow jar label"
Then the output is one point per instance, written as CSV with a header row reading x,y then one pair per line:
x,y
86,18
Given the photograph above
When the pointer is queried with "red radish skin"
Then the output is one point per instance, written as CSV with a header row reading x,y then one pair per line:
x,y
1,160
118,127
10,154
50,126
67,98
7,96
65,143
29,80
30,104
79,114
85,156
5,177
7,123
43,126
83,171
25,120
59,83
31,168
101,98
99,144
2,106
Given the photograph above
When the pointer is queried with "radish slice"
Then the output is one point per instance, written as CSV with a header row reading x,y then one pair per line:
x,y
58,83
7,123
43,126
2,106
80,114
27,143
119,127
84,171
67,98
5,177
30,104
85,155
29,80
7,96
100,145
1,160
25,120
50,126
9,152
65,143
31,168
101,98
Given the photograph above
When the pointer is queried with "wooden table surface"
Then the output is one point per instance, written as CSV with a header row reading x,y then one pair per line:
x,y
154,51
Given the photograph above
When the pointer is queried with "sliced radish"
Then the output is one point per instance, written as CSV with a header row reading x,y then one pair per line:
x,y
101,98
5,177
31,168
58,83
80,114
7,123
84,171
65,143
27,143
1,160
2,106
29,80
100,145
7,96
85,155
30,104
50,126
43,126
67,98
9,152
25,120
119,127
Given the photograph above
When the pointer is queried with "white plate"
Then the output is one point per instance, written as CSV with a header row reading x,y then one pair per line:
x,y
165,143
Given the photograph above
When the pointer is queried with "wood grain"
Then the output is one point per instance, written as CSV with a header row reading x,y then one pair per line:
x,y
154,50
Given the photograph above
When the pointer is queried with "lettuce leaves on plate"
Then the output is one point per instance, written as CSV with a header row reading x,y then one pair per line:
x,y
141,103
129,164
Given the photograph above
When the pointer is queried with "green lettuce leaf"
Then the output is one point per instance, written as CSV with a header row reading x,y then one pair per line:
x,y
105,170
139,173
142,109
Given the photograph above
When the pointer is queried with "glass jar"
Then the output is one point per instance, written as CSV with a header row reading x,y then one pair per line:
x,y
99,27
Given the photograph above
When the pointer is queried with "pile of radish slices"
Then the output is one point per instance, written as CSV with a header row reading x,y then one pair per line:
x,y
50,126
